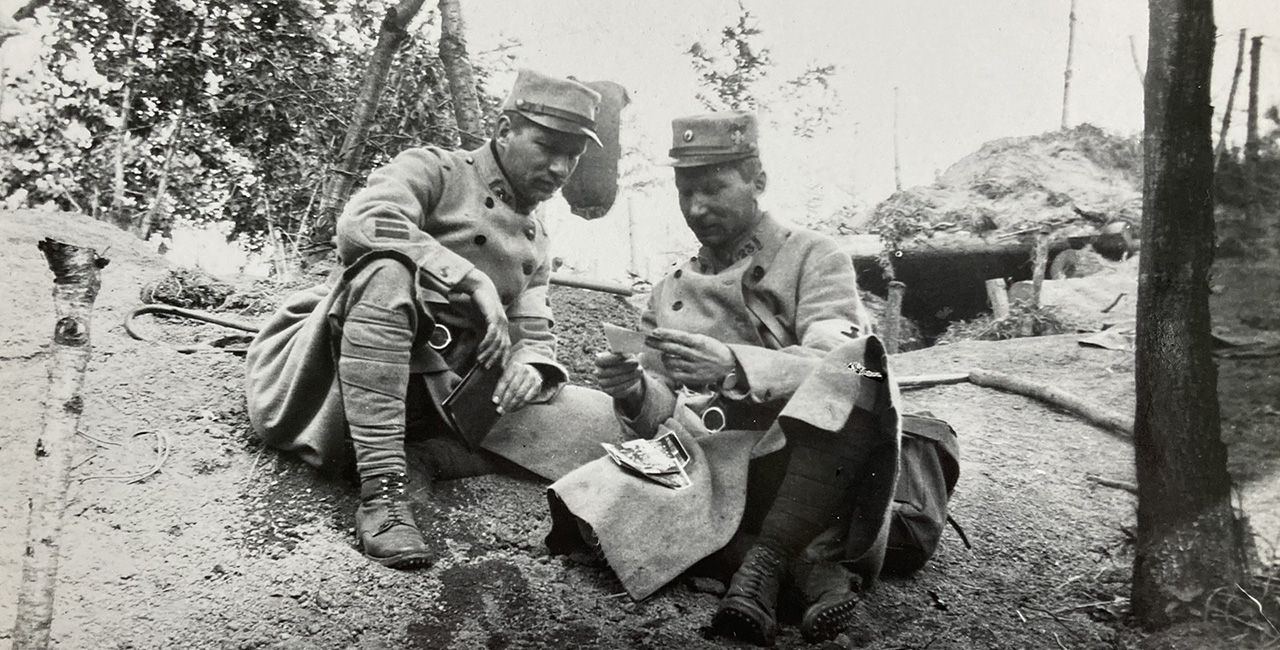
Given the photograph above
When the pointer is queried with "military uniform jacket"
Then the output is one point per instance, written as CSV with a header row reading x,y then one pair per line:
x,y
443,214
787,297
799,369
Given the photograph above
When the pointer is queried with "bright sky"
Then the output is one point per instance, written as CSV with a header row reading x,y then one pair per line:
x,y
967,72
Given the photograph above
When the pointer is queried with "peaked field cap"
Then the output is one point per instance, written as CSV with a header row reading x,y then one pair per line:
x,y
713,138
558,104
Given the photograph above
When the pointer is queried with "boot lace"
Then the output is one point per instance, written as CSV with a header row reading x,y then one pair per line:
x,y
392,488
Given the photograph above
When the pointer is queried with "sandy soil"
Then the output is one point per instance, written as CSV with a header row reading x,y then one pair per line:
x,y
234,546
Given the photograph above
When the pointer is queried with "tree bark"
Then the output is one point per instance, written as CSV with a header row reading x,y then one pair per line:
x,y
1231,99
76,284
1066,75
342,176
462,81
146,221
1189,540
122,220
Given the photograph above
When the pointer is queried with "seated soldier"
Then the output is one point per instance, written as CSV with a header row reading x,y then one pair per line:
x,y
444,266
757,342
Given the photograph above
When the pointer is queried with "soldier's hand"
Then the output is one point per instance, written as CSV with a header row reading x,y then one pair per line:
x,y
622,379
496,342
520,383
692,359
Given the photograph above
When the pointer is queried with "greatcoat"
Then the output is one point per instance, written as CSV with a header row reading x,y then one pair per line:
x,y
787,306
440,213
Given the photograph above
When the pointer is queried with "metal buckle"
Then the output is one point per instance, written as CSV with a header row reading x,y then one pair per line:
x,y
713,419
440,338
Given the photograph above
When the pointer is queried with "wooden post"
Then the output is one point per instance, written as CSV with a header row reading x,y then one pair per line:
x,y
76,282
638,267
1231,98
1066,76
897,169
998,298
1253,213
891,319
1251,126
1039,262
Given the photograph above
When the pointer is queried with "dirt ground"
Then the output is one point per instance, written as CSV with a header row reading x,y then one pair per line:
x,y
234,546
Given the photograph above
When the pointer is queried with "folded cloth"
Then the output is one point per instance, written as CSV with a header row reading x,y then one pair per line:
x,y
650,534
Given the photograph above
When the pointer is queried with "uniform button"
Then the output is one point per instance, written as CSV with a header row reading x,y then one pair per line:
x,y
757,273
530,233
677,305
470,160
480,240
488,201
678,273
528,268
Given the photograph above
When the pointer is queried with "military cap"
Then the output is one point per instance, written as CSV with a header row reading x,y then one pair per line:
x,y
713,138
558,104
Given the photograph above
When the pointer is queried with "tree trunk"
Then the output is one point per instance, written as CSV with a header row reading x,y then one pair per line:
x,y
1231,99
122,220
342,176
145,223
1189,540
76,283
462,82
1066,76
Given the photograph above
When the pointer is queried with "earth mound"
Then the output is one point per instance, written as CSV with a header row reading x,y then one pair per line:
x,y
1071,181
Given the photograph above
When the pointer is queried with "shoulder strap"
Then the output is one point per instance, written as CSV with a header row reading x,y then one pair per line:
x,y
764,316
780,337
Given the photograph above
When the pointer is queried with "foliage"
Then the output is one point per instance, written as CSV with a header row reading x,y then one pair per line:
x,y
252,96
1025,319
736,74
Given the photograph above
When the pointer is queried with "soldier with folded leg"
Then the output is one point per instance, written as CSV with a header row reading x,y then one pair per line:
x,y
760,363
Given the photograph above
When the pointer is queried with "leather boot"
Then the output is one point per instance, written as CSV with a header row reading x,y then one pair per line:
x,y
748,610
385,529
823,590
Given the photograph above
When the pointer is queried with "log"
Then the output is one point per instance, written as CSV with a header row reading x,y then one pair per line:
x,y
998,298
1090,412
591,285
946,273
76,283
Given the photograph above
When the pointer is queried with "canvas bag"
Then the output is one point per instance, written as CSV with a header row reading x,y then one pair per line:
x,y
928,469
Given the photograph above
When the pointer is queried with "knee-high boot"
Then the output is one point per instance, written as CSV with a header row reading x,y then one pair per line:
x,y
373,371
813,494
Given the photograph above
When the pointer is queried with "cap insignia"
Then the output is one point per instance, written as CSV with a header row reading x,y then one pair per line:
x,y
688,135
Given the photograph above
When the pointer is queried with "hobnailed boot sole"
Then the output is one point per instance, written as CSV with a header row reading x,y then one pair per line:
x,y
739,623
828,621
406,560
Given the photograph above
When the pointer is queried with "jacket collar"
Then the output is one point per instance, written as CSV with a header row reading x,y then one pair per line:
x,y
495,178
767,234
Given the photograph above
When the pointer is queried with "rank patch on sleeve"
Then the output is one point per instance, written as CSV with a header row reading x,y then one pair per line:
x,y
389,229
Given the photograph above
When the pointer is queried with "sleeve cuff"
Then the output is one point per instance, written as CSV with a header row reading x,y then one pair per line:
x,y
658,405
